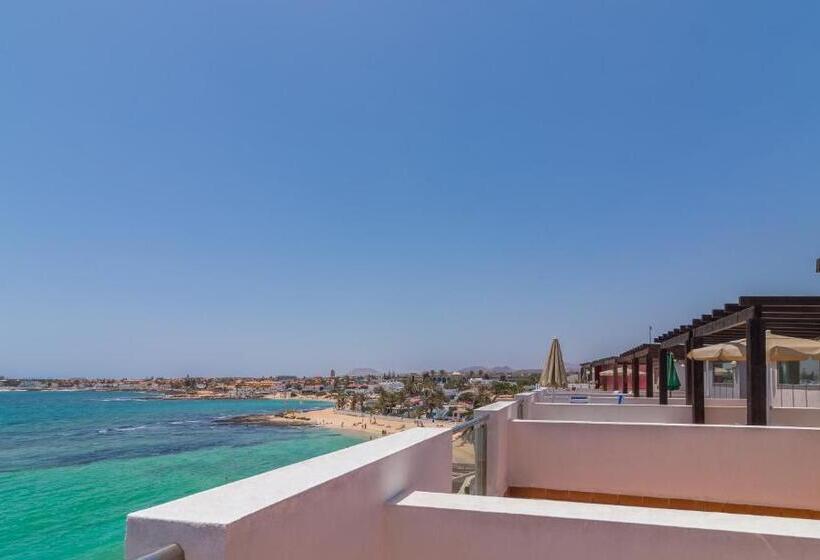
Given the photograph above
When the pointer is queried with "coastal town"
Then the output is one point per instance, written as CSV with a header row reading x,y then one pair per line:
x,y
438,395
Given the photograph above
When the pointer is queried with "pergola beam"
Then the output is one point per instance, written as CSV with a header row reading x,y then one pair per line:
x,y
733,320
677,340
790,301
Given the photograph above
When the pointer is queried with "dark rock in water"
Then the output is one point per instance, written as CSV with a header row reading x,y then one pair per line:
x,y
282,419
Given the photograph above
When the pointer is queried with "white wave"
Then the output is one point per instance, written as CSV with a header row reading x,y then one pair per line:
x,y
130,428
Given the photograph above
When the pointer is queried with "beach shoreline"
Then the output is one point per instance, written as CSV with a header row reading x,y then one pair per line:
x,y
345,421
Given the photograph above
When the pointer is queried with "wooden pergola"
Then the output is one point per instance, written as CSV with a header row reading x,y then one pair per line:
x,y
749,318
595,367
647,353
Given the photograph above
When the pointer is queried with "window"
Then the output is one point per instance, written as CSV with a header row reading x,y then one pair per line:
x,y
724,372
806,372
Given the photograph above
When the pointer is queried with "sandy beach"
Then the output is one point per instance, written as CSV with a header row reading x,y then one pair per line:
x,y
374,425
355,423
343,420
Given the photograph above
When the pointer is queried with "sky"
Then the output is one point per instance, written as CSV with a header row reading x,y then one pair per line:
x,y
284,187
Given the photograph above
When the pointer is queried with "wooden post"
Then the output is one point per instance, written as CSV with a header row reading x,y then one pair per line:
x,y
688,373
636,377
698,401
650,377
756,401
624,385
663,388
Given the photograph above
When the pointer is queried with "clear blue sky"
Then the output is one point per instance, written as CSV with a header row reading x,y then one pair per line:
x,y
262,187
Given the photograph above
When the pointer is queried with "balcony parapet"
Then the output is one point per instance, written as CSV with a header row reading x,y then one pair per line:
x,y
487,528
330,506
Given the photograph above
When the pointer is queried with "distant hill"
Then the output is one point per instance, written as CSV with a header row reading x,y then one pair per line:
x,y
504,369
497,369
356,372
567,365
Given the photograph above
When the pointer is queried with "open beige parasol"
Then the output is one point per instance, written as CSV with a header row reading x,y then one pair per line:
x,y
779,348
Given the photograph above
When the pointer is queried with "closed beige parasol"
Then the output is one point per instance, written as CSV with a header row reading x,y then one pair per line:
x,y
554,373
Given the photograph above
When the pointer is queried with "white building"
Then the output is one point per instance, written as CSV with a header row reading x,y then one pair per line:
x,y
392,386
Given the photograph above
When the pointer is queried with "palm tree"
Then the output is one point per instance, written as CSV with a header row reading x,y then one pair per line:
x,y
433,398
385,400
483,396
341,399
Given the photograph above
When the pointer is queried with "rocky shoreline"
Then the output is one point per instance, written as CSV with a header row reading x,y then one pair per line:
x,y
281,419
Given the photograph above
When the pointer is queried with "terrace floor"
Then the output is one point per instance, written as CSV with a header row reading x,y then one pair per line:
x,y
663,503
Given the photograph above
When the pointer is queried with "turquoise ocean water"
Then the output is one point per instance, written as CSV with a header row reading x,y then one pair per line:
x,y
73,464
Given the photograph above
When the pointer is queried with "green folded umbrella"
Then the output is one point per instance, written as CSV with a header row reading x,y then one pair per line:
x,y
672,381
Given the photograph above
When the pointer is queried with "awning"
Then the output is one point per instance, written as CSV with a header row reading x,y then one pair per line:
x,y
779,348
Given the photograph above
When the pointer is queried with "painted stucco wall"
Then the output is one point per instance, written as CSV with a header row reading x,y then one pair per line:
x,y
331,506
733,413
805,417
593,412
725,415
425,525
600,397
809,417
498,416
768,466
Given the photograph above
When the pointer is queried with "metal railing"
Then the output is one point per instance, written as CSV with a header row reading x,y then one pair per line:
x,y
170,552
724,391
470,461
794,395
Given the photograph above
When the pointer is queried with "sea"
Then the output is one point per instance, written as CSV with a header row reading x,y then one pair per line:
x,y
74,463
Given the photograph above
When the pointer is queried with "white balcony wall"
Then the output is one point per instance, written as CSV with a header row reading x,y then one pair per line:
x,y
499,415
751,465
808,417
799,417
727,415
332,506
598,397
425,525
592,412
733,413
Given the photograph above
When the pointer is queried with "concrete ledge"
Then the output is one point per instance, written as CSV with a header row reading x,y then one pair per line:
x,y
428,525
783,416
251,518
606,412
